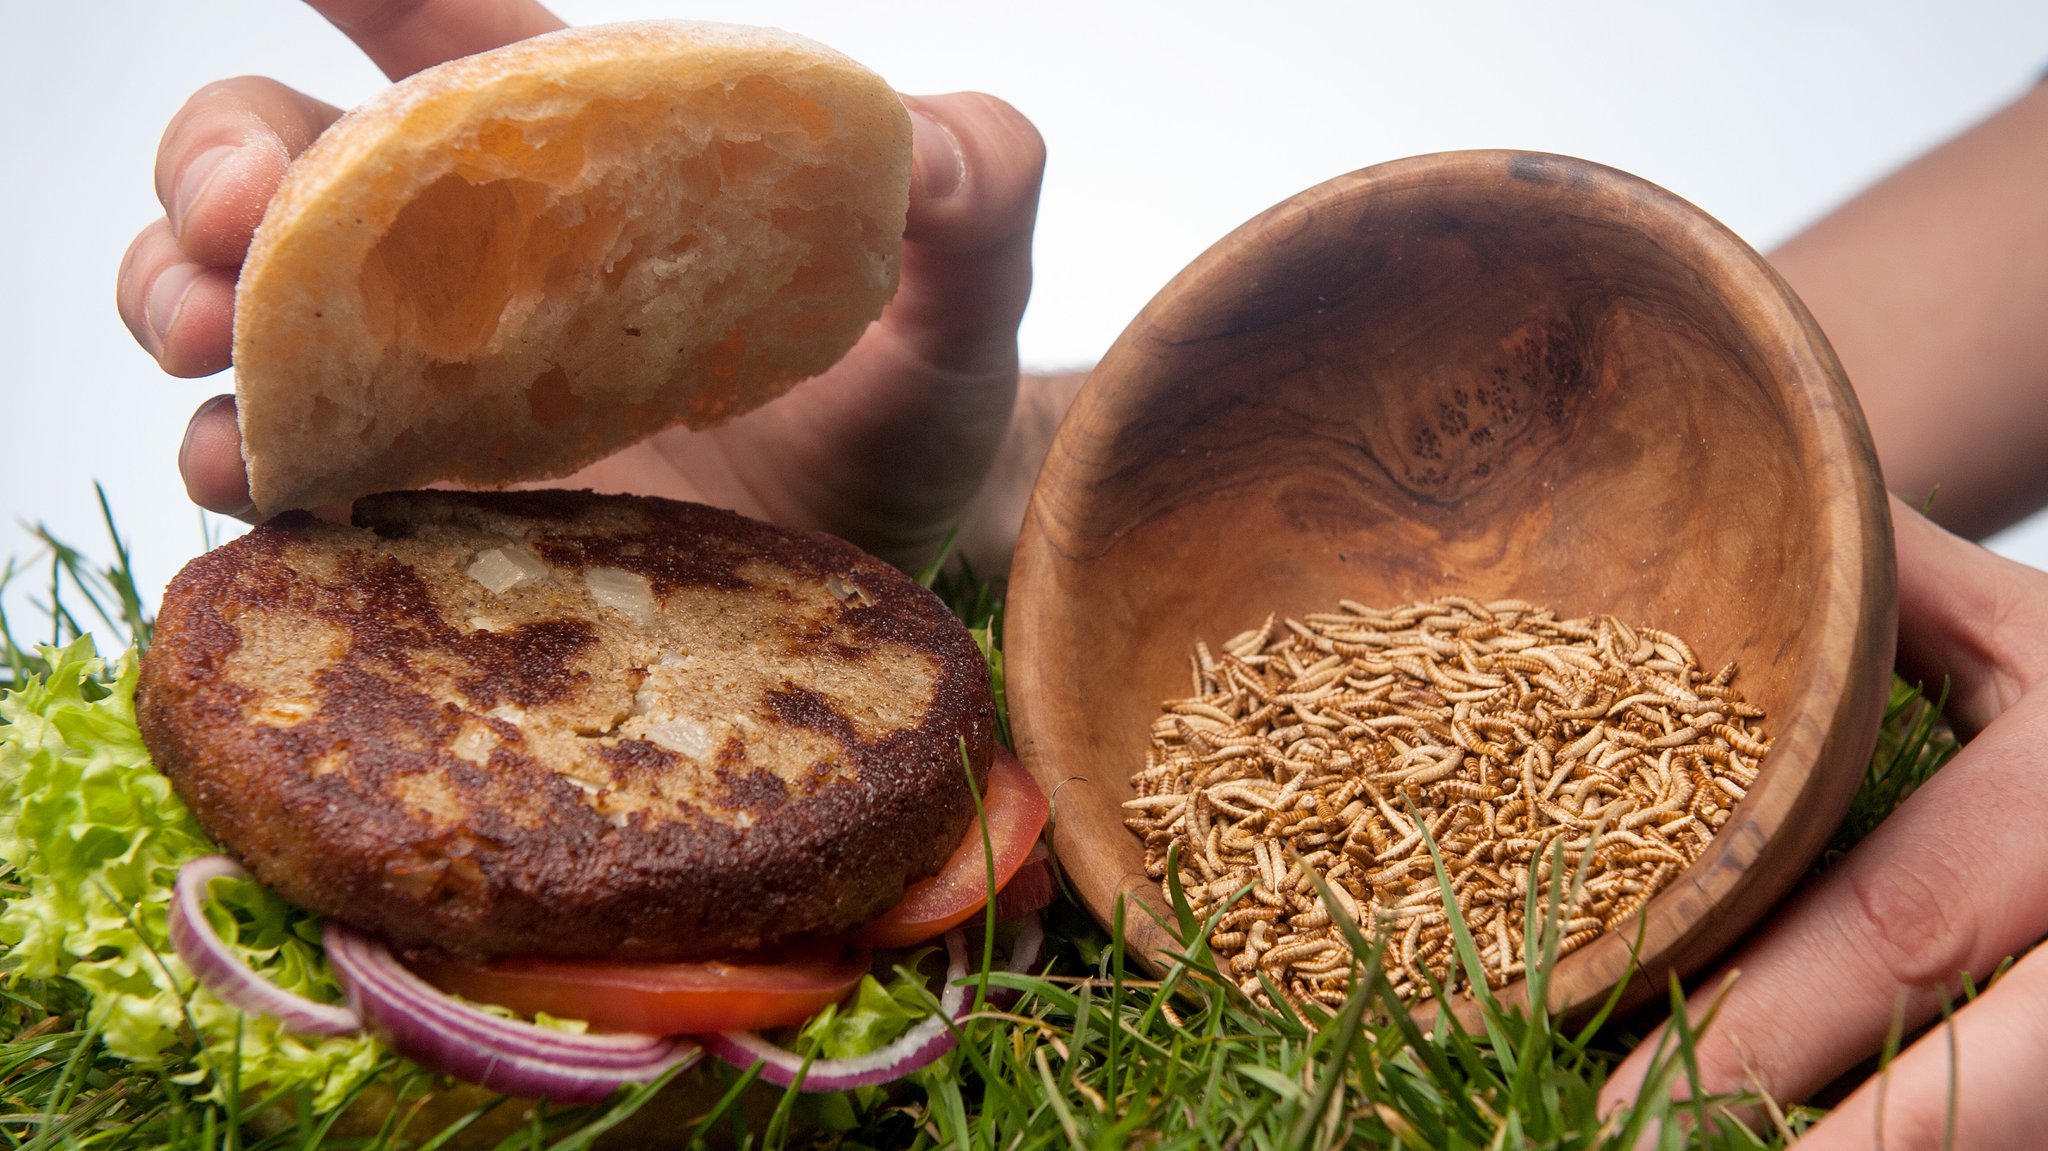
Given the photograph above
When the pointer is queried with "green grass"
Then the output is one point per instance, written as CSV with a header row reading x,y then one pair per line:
x,y
72,594
1912,742
1093,1054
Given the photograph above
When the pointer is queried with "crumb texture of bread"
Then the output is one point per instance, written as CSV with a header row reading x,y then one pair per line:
x,y
513,264
556,723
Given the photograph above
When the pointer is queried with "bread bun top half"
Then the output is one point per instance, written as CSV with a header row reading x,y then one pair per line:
x,y
508,266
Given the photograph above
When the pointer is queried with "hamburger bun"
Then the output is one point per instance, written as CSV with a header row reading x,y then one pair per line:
x,y
570,725
508,266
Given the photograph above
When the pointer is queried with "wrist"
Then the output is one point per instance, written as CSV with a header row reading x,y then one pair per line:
x,y
988,534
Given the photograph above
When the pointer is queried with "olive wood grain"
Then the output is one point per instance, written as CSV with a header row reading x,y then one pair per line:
x,y
1509,375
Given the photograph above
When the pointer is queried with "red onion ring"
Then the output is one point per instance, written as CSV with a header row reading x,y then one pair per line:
x,y
368,965
920,1046
430,1027
228,975
436,1030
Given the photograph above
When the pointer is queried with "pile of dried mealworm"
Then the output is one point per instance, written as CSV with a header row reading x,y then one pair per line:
x,y
1330,743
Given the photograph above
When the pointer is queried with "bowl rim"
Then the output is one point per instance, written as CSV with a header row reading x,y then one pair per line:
x,y
1839,705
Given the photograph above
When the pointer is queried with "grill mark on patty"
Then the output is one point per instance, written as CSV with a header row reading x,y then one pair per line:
x,y
801,707
824,636
666,569
528,665
731,753
637,755
754,791
372,702
392,619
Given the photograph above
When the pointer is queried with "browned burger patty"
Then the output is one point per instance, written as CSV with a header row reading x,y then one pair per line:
x,y
557,723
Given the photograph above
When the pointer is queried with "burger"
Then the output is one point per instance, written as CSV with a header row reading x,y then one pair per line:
x,y
645,764
545,755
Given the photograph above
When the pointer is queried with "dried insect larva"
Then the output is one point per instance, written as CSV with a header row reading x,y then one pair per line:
x,y
1656,853
1252,794
1251,642
1582,746
1337,745
1729,787
1578,939
1682,737
1645,815
1267,897
1334,960
1285,954
1682,823
1742,740
1473,790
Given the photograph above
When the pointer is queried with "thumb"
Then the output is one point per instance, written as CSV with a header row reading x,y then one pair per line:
x,y
1970,616
404,36
967,243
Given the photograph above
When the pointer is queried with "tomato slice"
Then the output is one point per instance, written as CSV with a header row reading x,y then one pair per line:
x,y
661,998
1016,812
694,998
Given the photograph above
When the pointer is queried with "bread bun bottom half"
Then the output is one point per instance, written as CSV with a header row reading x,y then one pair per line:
x,y
511,265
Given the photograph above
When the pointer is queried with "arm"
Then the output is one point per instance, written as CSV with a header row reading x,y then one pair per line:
x,y
1933,287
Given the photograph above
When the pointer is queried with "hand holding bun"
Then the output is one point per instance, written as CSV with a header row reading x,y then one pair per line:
x,y
515,263
888,447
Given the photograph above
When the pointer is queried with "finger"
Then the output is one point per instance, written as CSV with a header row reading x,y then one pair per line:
x,y
942,359
404,36
222,157
1969,616
967,243
180,312
1947,885
210,459
1974,1082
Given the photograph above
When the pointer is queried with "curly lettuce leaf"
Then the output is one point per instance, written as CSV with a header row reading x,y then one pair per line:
x,y
875,1017
95,834
872,1021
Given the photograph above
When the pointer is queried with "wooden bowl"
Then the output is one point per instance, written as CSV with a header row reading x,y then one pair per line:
x,y
1503,374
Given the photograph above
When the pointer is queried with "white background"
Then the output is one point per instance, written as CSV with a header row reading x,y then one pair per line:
x,y
1168,124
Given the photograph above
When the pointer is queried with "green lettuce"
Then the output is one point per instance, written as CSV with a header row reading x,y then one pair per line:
x,y
876,1015
95,836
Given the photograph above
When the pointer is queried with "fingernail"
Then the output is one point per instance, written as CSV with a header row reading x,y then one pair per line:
x,y
166,297
192,183
936,154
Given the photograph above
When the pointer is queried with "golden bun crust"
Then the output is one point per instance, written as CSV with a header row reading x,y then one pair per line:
x,y
558,723
513,264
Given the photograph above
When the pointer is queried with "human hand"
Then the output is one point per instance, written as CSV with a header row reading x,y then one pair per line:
x,y
889,448
1952,883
